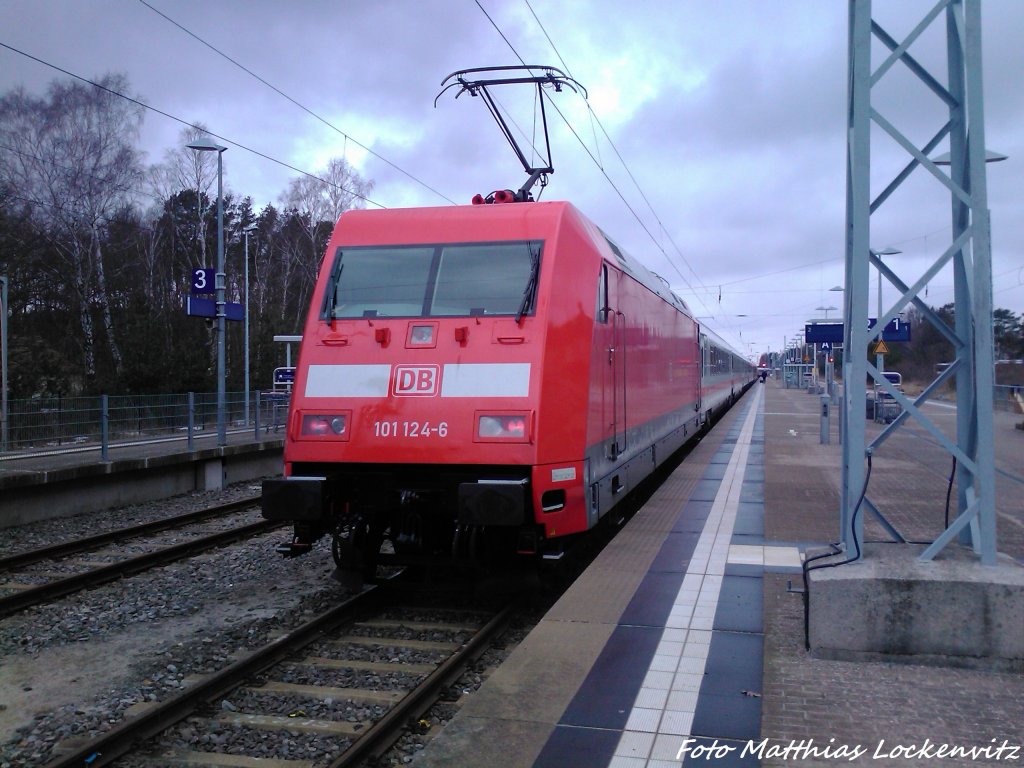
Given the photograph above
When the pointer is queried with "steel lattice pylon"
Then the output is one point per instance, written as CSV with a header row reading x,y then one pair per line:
x,y
969,252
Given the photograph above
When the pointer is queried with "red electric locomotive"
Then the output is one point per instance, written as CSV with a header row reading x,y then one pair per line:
x,y
485,380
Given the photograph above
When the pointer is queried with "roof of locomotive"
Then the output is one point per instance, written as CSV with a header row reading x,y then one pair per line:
x,y
503,221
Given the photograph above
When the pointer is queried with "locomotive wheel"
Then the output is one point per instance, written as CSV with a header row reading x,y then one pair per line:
x,y
356,554
420,525
407,534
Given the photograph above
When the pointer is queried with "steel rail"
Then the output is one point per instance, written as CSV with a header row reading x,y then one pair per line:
x,y
382,734
113,744
62,587
127,736
80,545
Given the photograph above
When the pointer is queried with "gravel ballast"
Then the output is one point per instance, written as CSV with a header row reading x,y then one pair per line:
x,y
71,668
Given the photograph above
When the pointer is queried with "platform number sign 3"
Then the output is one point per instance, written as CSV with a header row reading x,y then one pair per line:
x,y
203,281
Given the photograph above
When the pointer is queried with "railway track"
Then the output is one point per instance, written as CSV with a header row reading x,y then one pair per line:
x,y
75,546
27,596
309,681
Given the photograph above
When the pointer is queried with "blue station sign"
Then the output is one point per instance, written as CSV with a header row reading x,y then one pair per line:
x,y
198,307
819,333
285,375
895,330
832,333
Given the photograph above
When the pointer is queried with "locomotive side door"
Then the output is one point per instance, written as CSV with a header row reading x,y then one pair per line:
x,y
707,376
702,367
613,379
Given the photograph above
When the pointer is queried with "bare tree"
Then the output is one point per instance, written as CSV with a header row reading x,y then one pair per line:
x,y
319,203
72,157
187,169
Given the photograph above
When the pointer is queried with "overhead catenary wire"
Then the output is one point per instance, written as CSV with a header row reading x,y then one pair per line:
x,y
594,118
301,106
582,143
999,289
608,178
625,166
186,123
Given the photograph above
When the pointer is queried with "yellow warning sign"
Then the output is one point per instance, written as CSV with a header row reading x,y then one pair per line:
x,y
881,349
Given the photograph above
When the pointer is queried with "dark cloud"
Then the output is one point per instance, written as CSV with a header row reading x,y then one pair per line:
x,y
730,116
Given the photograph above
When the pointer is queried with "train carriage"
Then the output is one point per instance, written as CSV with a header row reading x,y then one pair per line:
x,y
724,374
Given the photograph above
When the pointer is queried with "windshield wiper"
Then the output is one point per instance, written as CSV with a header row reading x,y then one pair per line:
x,y
531,284
327,308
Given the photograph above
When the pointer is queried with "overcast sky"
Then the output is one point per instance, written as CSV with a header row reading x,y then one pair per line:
x,y
729,116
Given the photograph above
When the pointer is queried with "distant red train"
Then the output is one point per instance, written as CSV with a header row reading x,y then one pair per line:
x,y
484,381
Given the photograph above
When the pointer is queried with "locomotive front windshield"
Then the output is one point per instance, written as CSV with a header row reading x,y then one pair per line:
x,y
457,280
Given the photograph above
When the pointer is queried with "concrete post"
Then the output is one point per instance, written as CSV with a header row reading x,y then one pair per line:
x,y
191,420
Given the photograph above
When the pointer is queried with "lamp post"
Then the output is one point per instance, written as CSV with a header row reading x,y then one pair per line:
x,y
828,371
836,289
205,145
246,231
879,358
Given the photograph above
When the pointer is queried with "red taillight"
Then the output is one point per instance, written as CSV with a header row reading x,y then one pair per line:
x,y
324,425
509,426
314,425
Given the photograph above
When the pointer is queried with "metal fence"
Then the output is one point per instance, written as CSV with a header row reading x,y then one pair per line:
x,y
64,424
1008,398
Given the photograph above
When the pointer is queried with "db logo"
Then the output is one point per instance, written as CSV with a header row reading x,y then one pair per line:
x,y
416,380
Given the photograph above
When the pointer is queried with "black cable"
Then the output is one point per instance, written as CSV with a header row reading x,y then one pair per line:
x,y
949,489
807,602
604,173
187,123
835,551
924,438
625,166
296,103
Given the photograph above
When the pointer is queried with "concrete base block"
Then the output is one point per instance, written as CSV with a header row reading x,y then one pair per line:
x,y
889,606
214,475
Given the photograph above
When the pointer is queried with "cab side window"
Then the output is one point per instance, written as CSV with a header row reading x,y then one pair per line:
x,y
602,295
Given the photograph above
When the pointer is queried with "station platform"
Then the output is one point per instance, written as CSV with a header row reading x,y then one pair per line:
x,y
65,481
683,643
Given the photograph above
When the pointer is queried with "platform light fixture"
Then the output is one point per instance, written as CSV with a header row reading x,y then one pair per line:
x,y
990,157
